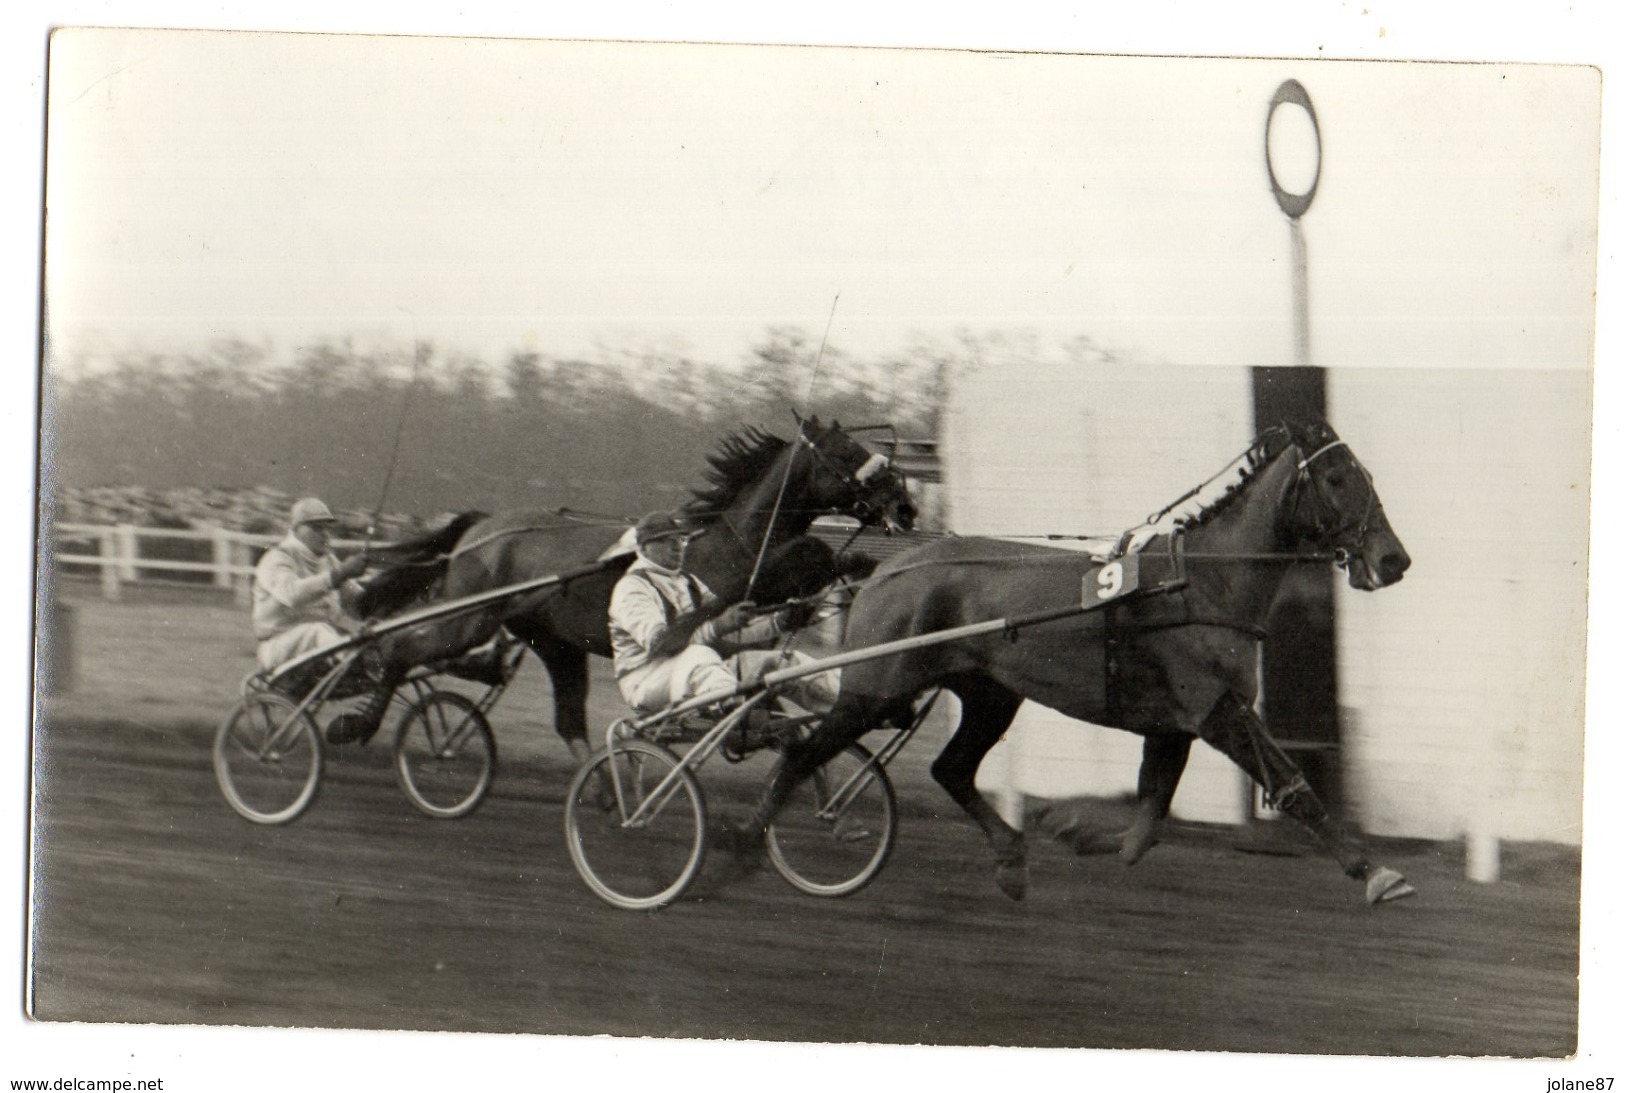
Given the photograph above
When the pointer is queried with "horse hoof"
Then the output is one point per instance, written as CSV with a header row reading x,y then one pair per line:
x,y
1136,841
1012,880
1384,885
1085,843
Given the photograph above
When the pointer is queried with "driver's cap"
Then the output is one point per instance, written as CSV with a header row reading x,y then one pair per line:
x,y
310,510
659,525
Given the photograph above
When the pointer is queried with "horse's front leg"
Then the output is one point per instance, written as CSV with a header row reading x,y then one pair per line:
x,y
847,720
1235,729
388,659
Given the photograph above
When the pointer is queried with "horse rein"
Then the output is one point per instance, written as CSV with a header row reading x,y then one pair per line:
x,y
1303,464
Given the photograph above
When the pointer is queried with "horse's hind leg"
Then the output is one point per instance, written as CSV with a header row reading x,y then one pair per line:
x,y
987,708
1235,729
1162,764
567,669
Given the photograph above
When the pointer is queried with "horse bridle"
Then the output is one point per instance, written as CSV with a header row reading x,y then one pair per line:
x,y
859,480
1325,530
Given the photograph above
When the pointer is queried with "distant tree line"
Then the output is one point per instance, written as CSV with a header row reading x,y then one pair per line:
x,y
616,435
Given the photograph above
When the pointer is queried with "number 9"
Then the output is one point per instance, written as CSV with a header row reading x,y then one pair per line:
x,y
1109,580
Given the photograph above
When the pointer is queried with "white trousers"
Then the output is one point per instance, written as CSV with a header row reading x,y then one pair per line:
x,y
700,668
295,641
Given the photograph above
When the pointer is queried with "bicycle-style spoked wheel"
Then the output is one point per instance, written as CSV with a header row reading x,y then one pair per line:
x,y
445,755
836,830
634,821
268,759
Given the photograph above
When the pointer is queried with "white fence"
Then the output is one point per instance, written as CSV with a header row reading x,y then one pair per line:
x,y
115,552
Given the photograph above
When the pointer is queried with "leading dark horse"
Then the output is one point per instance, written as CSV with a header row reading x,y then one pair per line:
x,y
1170,666
762,496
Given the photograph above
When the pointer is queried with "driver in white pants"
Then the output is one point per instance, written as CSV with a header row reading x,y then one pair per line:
x,y
297,586
669,631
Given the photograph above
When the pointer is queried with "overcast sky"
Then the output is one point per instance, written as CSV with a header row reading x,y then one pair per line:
x,y
496,195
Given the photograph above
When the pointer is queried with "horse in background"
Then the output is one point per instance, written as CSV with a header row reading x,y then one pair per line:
x,y
1171,664
761,496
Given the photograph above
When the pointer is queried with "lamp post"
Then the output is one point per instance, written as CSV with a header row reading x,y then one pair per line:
x,y
1294,203
1299,659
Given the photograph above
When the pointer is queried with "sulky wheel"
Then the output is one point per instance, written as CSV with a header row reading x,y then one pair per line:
x,y
834,833
634,821
445,754
268,759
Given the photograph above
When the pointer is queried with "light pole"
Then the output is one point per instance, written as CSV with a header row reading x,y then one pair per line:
x,y
1295,204
1299,658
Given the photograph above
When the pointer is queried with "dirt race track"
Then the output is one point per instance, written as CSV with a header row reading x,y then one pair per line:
x,y
156,903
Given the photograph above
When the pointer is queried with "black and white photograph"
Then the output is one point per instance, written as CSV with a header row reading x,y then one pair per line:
x,y
709,558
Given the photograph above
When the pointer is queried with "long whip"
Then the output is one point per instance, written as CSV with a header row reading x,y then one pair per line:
x,y
795,449
395,448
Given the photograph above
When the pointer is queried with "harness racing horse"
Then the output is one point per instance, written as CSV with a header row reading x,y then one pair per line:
x,y
761,490
1177,661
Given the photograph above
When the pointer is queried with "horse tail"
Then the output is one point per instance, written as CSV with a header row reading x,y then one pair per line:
x,y
411,567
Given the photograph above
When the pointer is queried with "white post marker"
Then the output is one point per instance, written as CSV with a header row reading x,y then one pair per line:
x,y
1483,852
220,540
110,563
126,552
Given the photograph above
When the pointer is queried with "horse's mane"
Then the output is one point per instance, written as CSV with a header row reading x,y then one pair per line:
x,y
740,460
1197,506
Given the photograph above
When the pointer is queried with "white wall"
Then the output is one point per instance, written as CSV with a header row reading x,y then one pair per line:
x,y
1465,683
1033,449
1461,688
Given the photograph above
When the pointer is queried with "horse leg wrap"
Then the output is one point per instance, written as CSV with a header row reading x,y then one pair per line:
x,y
1287,798
373,715
1234,729
362,725
1299,801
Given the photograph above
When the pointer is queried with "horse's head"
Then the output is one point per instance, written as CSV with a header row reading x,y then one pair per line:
x,y
1335,506
849,478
